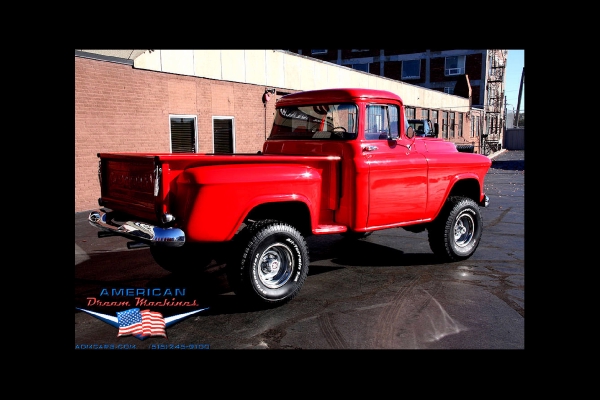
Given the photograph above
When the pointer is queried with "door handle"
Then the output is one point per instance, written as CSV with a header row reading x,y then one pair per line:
x,y
369,148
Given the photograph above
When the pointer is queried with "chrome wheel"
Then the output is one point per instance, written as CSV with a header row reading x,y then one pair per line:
x,y
276,266
463,229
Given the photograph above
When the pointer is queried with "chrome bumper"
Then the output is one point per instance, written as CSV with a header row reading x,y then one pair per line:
x,y
138,231
485,202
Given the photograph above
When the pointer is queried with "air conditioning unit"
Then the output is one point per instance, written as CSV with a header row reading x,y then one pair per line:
x,y
453,71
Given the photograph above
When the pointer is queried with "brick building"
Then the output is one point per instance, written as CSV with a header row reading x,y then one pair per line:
x,y
435,69
444,70
217,101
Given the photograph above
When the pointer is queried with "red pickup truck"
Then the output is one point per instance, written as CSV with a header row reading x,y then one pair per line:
x,y
337,161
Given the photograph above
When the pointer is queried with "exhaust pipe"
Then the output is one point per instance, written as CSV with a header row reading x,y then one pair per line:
x,y
102,234
136,245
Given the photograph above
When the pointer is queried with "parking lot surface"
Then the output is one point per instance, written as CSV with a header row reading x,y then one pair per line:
x,y
386,291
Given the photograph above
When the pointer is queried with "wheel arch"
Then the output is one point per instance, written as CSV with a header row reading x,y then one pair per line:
x,y
466,187
295,213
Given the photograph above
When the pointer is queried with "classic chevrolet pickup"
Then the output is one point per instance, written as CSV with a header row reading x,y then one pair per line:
x,y
337,161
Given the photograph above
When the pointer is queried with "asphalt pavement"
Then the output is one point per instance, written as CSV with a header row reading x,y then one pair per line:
x,y
383,292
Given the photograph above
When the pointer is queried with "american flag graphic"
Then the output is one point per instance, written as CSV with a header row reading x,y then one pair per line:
x,y
141,324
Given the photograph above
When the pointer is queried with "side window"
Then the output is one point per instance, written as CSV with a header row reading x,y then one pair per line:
x,y
223,135
183,133
374,123
394,113
382,120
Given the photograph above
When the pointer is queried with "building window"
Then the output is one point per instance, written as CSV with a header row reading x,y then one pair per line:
x,y
360,67
318,51
451,124
411,69
424,114
476,126
223,135
473,119
410,112
460,124
455,65
444,124
449,90
434,116
359,50
183,133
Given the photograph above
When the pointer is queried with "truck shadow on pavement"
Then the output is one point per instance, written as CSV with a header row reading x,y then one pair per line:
x,y
209,287
363,253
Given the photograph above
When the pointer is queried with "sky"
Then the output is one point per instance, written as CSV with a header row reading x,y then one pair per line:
x,y
515,62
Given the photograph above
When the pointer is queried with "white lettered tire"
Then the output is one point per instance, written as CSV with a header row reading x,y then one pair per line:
x,y
456,232
271,263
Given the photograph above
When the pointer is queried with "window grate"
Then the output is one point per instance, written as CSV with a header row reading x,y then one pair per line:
x,y
183,137
223,135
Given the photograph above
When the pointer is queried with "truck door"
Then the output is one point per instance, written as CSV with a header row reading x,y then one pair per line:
x,y
397,171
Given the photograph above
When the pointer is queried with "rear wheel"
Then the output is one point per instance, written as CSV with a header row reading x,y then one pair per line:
x,y
456,233
271,264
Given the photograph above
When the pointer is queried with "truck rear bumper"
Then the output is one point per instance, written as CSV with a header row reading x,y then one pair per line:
x,y
137,231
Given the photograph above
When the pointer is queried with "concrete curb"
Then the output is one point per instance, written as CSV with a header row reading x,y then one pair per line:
x,y
496,154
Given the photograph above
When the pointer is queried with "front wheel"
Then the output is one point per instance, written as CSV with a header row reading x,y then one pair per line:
x,y
456,233
272,263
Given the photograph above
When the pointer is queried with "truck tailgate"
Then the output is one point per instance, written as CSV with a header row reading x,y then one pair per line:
x,y
128,183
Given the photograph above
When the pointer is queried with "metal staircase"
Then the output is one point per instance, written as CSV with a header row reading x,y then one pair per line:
x,y
491,140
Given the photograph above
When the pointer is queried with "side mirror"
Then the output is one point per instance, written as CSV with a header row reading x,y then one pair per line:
x,y
410,132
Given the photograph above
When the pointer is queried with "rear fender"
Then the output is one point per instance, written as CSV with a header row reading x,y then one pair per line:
x,y
219,197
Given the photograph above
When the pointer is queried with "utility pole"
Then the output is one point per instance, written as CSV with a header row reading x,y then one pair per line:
x,y
519,101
